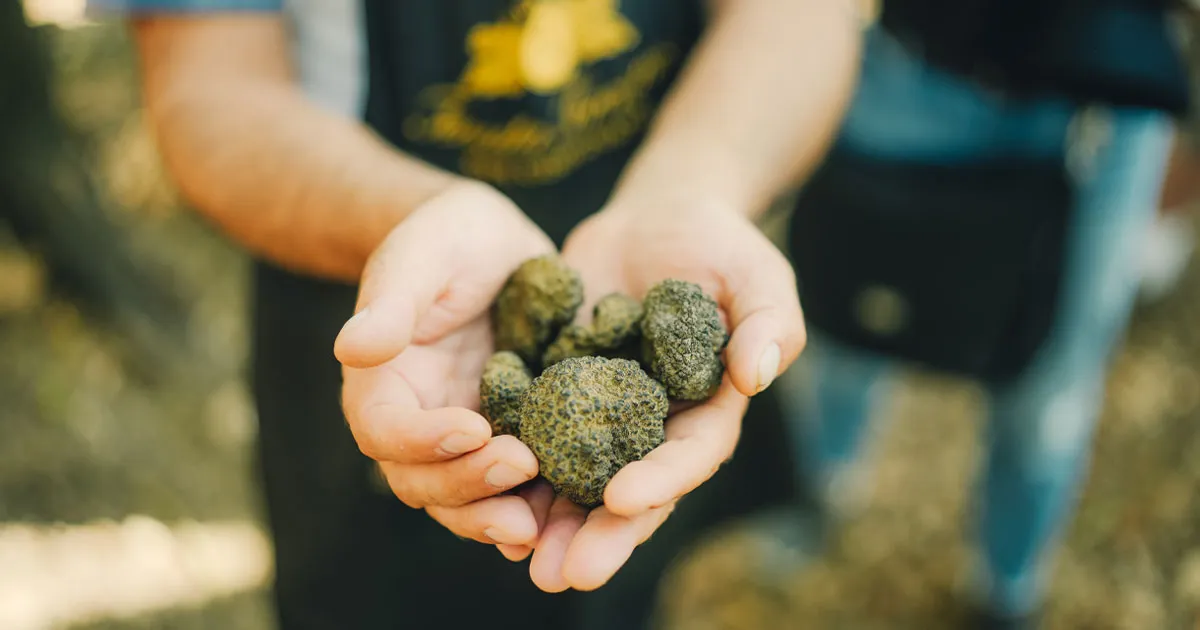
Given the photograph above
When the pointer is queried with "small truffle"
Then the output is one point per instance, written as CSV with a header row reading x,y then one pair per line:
x,y
616,321
682,339
505,378
614,332
539,298
586,418
573,341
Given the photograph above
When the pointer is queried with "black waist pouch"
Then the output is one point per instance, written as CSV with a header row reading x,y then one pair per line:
x,y
953,267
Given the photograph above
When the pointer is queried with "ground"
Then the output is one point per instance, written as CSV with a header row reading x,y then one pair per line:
x,y
87,440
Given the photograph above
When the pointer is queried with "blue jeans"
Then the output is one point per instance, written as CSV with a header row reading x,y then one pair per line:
x,y
1040,426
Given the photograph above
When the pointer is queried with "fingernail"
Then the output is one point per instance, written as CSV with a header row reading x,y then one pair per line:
x,y
459,443
504,476
501,536
768,366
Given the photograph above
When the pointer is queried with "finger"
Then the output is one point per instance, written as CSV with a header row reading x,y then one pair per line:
x,y
698,441
401,280
416,269
605,543
545,569
504,463
761,300
388,423
515,553
540,496
406,436
499,520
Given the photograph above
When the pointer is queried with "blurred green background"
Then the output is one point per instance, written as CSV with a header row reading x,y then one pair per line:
x,y
127,497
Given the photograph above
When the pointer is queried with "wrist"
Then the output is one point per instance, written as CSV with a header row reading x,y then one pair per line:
x,y
410,195
679,202
702,178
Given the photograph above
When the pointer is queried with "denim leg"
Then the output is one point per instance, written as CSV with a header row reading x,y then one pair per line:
x,y
1041,426
829,397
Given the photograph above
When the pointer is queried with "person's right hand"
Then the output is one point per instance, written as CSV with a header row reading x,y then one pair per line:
x,y
413,355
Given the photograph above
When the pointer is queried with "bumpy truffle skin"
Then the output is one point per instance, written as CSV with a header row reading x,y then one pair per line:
x,y
540,297
505,378
616,320
614,333
682,338
573,341
585,418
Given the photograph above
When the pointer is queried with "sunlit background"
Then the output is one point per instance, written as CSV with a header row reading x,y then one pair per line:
x,y
127,497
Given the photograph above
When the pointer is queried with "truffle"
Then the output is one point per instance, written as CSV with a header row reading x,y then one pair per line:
x,y
505,378
616,321
574,341
682,339
585,418
614,332
539,298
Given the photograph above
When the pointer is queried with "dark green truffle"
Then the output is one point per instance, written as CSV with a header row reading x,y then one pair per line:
x,y
586,418
614,332
505,378
616,322
538,299
682,339
574,341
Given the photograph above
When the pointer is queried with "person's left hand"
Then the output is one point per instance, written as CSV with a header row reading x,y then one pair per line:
x,y
629,250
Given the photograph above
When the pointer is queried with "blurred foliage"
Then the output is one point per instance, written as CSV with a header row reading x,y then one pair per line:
x,y
122,321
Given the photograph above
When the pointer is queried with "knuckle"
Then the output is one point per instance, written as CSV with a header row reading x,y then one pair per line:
x,y
724,438
786,269
344,405
448,490
406,493
359,422
725,453
414,501
444,518
367,447
416,505
800,335
456,494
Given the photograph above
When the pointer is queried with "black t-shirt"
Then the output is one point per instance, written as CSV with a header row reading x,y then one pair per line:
x,y
545,100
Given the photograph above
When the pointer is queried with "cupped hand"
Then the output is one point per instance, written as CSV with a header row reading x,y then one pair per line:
x,y
629,250
412,358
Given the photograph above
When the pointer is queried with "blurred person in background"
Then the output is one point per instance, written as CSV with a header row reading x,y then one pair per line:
x,y
422,150
1171,240
981,213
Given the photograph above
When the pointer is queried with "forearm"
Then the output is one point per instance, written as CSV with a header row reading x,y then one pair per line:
x,y
755,109
305,188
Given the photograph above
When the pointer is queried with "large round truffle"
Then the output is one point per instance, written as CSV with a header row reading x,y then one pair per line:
x,y
505,378
538,299
682,339
585,418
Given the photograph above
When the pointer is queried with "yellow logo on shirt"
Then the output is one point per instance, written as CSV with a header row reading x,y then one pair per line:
x,y
544,48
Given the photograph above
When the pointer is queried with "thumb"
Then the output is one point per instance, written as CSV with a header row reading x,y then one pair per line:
x,y
401,280
767,323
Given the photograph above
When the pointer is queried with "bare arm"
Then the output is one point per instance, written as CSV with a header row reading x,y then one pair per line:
x,y
756,107
310,190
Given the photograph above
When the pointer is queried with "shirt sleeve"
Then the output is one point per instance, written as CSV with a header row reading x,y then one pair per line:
x,y
129,8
